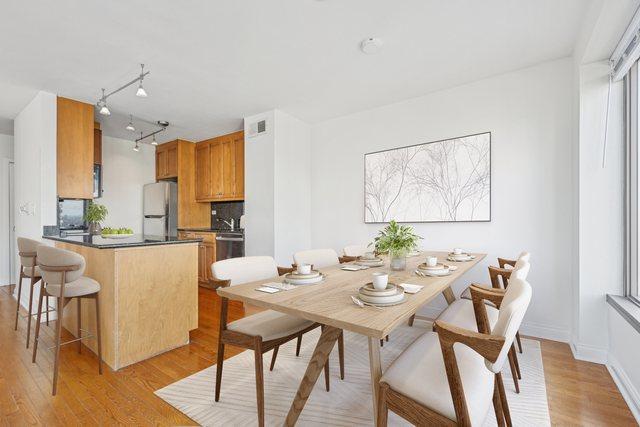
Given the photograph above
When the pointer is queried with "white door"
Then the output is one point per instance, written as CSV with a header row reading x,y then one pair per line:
x,y
12,227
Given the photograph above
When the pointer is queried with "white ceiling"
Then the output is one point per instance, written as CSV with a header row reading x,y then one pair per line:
x,y
214,62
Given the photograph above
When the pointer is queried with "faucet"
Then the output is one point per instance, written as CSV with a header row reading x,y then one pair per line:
x,y
231,223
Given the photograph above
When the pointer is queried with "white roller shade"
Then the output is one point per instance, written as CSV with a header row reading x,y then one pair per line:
x,y
628,50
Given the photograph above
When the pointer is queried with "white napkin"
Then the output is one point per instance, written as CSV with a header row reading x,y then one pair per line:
x,y
411,289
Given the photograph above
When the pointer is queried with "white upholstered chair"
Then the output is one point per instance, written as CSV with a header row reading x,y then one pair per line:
x,y
28,269
62,276
260,332
319,258
355,250
436,382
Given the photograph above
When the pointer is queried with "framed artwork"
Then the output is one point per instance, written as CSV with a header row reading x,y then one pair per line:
x,y
439,181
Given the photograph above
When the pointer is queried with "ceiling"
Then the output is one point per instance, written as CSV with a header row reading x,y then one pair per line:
x,y
214,62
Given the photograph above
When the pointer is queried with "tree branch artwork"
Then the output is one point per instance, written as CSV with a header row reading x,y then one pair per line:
x,y
442,181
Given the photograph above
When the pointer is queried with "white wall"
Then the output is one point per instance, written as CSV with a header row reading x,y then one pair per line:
x,y
624,353
124,172
529,113
35,168
6,146
6,154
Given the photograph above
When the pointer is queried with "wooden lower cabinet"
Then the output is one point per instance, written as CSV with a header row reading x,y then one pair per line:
x,y
206,254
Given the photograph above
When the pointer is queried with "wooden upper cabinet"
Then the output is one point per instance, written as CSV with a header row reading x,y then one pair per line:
x,y
220,168
97,146
75,149
167,160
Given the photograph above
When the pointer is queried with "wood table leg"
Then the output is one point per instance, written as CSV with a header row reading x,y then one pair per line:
x,y
319,358
376,373
449,296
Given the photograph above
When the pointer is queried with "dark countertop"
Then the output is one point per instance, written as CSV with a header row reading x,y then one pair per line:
x,y
100,242
212,230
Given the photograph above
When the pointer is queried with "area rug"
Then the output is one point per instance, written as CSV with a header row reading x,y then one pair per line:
x,y
349,401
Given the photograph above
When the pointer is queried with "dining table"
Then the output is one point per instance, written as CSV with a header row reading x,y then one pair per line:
x,y
330,304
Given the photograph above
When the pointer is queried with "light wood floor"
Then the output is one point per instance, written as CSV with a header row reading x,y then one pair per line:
x,y
580,393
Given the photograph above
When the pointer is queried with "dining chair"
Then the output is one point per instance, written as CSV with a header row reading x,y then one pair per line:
x,y
62,276
353,252
436,382
261,332
28,270
319,258
461,314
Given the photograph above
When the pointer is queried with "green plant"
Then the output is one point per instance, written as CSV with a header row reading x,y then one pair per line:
x,y
95,213
396,239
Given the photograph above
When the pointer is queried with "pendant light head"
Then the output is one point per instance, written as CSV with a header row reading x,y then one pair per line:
x,y
130,125
141,92
136,147
154,142
104,110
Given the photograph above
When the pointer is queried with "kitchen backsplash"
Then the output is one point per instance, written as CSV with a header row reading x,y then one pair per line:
x,y
226,210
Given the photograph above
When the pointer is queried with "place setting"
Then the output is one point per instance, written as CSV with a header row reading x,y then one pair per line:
x,y
369,259
304,275
379,292
432,268
458,255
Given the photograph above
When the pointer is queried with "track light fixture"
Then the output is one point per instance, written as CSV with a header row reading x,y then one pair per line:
x,y
102,103
130,125
154,142
163,126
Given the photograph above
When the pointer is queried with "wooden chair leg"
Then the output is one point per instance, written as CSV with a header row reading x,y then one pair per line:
x,y
516,361
273,357
341,354
219,365
519,342
98,334
514,372
259,380
412,319
30,310
56,354
298,345
327,378
497,405
503,400
383,410
15,328
37,332
79,324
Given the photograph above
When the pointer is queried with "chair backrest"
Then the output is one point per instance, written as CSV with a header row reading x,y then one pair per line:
x,y
54,257
512,310
317,257
520,270
356,250
524,256
245,269
27,246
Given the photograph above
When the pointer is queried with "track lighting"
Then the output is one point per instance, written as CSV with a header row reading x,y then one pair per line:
x,y
104,110
137,146
141,92
154,142
130,125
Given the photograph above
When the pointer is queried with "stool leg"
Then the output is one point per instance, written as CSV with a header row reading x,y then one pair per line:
x,y
33,283
98,334
79,324
18,300
56,360
37,333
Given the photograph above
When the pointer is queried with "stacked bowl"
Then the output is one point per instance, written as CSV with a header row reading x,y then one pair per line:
x,y
297,278
391,295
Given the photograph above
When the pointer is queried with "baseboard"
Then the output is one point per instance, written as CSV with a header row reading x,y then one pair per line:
x,y
626,387
549,332
589,353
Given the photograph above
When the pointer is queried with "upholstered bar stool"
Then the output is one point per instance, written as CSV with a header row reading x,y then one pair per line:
x,y
28,269
62,276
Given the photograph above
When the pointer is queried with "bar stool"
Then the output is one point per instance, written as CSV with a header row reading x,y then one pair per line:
x,y
62,276
28,269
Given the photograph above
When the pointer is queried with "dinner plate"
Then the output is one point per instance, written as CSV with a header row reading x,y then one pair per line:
x,y
370,263
459,259
295,275
388,304
389,299
310,281
437,267
440,273
368,289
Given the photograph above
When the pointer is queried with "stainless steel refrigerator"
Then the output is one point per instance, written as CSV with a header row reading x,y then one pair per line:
x,y
160,208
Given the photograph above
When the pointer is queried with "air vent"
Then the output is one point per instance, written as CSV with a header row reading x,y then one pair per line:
x,y
257,128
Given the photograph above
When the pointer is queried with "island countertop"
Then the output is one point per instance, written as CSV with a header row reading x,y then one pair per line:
x,y
135,240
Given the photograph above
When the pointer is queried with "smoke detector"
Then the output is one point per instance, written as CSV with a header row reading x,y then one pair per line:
x,y
370,45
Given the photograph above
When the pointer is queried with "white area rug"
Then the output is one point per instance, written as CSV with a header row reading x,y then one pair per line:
x,y
349,401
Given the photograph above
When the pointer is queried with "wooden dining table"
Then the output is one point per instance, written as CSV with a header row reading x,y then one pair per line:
x,y
329,303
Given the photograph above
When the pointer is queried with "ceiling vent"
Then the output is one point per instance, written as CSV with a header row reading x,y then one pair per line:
x,y
257,128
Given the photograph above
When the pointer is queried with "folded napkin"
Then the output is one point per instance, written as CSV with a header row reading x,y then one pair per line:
x,y
411,289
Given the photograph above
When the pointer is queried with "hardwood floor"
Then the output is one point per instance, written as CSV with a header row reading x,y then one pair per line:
x,y
579,393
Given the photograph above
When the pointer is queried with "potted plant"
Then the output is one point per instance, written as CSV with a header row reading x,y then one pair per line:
x,y
96,213
397,240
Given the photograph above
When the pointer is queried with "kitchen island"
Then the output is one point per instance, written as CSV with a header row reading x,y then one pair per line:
x,y
148,296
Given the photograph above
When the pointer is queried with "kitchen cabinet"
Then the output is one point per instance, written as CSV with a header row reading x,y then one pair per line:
x,y
167,160
75,149
220,168
175,161
206,253
97,144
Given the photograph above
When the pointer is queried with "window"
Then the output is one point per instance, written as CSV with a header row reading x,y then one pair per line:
x,y
632,188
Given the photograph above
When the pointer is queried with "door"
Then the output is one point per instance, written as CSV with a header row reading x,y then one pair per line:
x,y
161,163
216,168
12,229
172,161
238,145
228,168
155,199
155,226
203,171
